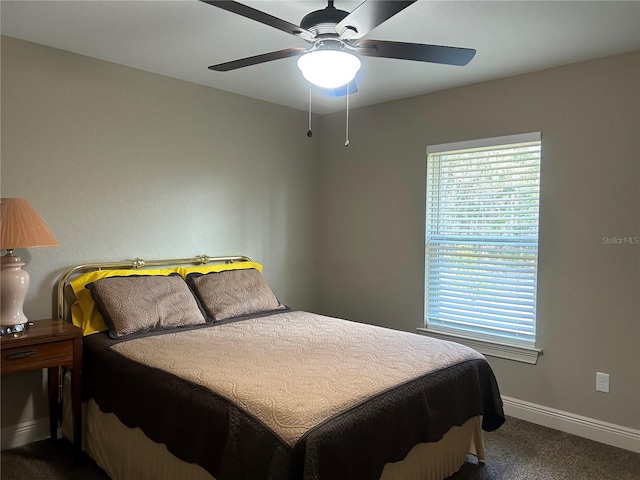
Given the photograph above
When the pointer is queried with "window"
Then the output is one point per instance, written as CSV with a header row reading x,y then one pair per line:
x,y
482,243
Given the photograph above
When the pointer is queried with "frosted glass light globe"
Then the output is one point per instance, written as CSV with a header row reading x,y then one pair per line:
x,y
329,68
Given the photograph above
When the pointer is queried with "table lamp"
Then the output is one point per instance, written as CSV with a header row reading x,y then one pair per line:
x,y
20,227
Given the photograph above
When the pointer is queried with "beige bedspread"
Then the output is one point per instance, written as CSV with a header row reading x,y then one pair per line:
x,y
289,395
295,370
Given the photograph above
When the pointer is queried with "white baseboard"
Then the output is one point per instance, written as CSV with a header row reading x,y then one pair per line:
x,y
23,433
603,432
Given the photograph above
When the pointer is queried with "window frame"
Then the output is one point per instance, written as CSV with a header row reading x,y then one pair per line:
x,y
523,351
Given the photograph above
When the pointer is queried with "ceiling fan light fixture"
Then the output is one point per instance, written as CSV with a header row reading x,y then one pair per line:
x,y
329,68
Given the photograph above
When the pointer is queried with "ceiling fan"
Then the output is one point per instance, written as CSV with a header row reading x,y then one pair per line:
x,y
335,37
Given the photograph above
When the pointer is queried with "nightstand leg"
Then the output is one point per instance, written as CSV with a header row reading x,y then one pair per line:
x,y
54,404
76,407
76,394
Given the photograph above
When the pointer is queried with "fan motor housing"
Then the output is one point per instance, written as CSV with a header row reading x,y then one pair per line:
x,y
323,21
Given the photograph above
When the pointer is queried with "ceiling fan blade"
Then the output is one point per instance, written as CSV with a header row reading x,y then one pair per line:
x,y
367,16
261,17
416,51
257,59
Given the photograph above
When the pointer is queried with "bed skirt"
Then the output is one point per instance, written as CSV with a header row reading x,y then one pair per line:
x,y
127,453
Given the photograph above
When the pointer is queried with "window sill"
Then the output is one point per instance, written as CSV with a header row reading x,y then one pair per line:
x,y
493,349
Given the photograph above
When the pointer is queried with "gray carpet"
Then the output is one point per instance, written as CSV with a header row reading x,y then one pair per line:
x,y
520,450
517,451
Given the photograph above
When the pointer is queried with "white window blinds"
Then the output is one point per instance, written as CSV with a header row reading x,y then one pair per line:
x,y
482,238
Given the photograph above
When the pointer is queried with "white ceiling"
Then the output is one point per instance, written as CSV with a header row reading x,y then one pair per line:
x,y
181,38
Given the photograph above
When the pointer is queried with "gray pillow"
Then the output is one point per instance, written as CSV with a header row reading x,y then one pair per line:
x,y
139,303
233,292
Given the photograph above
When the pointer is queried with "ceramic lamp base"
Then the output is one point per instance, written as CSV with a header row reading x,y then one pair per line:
x,y
14,285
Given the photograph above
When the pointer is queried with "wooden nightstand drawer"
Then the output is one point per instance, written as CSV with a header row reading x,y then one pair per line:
x,y
44,355
49,344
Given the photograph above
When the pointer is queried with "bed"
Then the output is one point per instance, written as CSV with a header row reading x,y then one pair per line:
x,y
192,368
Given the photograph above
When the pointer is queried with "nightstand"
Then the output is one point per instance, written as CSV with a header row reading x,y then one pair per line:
x,y
49,344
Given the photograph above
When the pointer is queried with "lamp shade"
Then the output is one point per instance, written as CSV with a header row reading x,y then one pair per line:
x,y
329,68
22,227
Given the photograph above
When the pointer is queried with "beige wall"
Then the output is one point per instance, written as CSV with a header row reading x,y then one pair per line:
x,y
588,310
123,163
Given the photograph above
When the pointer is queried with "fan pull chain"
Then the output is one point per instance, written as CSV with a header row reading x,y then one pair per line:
x,y
346,143
309,132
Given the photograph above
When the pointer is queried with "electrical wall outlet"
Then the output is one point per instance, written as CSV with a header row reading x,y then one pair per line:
x,y
602,382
